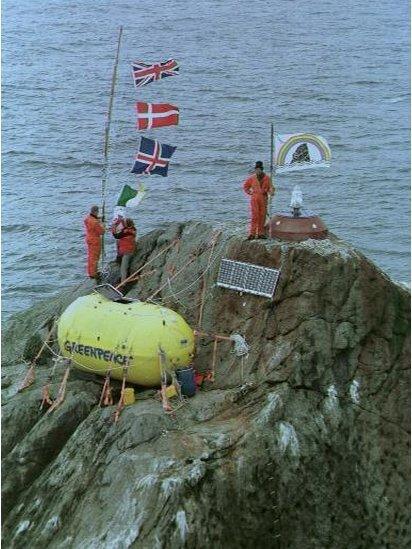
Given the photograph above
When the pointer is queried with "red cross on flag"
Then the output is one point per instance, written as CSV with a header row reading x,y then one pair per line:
x,y
153,157
156,115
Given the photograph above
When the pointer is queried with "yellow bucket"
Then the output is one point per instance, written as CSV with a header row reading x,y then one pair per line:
x,y
129,396
171,391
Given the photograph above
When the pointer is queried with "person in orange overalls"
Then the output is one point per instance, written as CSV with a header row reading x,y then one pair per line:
x,y
258,187
94,231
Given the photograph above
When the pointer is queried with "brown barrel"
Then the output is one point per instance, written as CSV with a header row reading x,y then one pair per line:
x,y
286,227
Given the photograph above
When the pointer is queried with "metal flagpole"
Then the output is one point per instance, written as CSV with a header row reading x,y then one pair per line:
x,y
271,177
107,136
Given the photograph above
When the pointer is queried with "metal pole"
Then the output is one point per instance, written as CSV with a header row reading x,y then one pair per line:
x,y
107,134
271,177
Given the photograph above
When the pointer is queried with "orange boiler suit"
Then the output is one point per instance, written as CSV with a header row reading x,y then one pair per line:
x,y
258,191
94,232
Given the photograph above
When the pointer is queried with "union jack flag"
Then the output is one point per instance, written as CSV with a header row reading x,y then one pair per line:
x,y
153,157
155,115
143,73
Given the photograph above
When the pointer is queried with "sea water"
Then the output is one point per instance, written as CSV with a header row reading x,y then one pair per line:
x,y
337,69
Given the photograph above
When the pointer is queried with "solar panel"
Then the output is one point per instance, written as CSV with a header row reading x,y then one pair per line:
x,y
246,277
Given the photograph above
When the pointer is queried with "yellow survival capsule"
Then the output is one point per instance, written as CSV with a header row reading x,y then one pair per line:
x,y
101,335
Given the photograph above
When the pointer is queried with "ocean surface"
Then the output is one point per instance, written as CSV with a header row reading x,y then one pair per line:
x,y
337,69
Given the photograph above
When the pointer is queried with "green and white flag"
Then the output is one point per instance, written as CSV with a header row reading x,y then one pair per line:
x,y
131,197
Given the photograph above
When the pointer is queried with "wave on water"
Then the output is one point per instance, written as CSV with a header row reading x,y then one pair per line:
x,y
15,152
62,165
16,228
365,83
398,99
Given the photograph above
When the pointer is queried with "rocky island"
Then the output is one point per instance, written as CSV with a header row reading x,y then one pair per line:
x,y
306,443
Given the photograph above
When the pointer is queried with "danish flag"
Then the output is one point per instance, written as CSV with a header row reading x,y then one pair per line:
x,y
155,115
153,157
143,73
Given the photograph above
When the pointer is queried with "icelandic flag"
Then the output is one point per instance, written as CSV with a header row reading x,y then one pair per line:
x,y
144,73
153,157
155,115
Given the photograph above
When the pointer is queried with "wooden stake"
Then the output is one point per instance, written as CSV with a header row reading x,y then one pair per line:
x,y
202,301
107,134
216,341
271,178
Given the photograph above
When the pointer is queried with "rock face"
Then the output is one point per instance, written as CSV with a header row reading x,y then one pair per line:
x,y
304,444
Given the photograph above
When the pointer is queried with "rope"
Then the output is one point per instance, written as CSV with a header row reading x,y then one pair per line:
x,y
30,375
147,263
212,370
143,275
163,381
176,299
106,398
46,397
174,276
240,349
202,302
178,387
120,404
62,389
28,379
200,276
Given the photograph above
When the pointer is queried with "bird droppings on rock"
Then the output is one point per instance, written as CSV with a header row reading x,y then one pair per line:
x,y
147,482
22,527
332,402
171,485
53,524
182,524
288,438
269,412
354,391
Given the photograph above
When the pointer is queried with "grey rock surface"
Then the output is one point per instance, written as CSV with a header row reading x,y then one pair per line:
x,y
306,443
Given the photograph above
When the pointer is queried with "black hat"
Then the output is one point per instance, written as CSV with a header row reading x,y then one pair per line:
x,y
259,164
